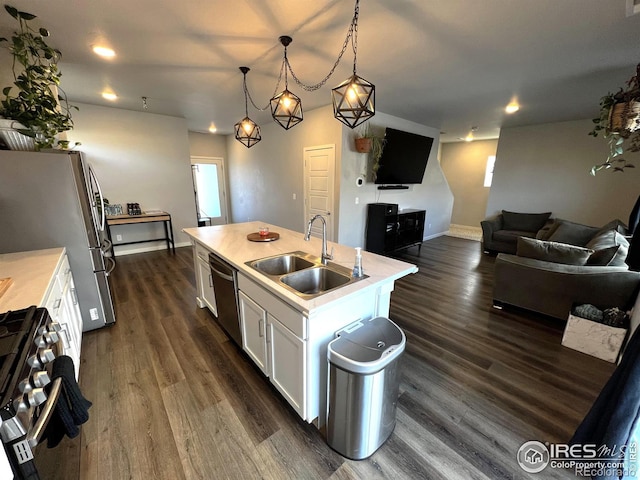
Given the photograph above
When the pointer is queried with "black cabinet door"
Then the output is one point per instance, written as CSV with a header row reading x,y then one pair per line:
x,y
387,230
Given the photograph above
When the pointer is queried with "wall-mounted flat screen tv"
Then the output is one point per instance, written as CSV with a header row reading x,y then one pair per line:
x,y
404,158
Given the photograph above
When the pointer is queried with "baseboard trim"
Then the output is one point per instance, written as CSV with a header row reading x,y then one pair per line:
x,y
435,235
128,250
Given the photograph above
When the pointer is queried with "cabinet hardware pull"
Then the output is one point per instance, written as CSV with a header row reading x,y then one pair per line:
x,y
210,280
269,334
260,328
74,295
57,303
66,336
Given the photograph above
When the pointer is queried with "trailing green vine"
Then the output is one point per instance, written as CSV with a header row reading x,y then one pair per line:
x,y
35,99
624,136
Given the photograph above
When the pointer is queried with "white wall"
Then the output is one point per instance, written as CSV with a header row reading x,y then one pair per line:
x,y
207,145
464,165
139,157
433,195
545,168
263,178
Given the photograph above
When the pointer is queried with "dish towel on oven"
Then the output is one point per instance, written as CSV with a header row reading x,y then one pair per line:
x,y
72,409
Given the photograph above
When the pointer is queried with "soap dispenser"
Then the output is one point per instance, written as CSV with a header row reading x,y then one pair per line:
x,y
357,266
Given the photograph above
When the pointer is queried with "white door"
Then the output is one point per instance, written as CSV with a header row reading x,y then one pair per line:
x,y
209,188
319,168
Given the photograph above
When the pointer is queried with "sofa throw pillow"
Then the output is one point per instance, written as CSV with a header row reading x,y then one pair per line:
x,y
525,222
610,248
617,225
573,233
552,251
545,232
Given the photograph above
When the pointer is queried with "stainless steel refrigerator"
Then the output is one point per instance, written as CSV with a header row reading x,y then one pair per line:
x,y
54,200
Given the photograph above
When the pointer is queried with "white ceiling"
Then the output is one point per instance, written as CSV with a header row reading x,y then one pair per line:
x,y
449,64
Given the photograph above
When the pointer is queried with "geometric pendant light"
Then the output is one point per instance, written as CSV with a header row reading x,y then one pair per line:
x,y
354,99
247,131
286,108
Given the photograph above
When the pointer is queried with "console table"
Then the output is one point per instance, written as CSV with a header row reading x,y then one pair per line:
x,y
164,217
389,229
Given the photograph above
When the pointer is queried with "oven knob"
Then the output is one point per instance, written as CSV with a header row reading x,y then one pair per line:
x,y
51,338
43,356
32,399
45,339
41,379
25,385
37,380
21,404
36,397
50,327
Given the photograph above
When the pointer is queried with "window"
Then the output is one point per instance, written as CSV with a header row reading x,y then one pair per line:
x,y
488,174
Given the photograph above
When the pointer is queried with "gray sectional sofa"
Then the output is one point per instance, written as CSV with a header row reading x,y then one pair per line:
x,y
567,264
500,232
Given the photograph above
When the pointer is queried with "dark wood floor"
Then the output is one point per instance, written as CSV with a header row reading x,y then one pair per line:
x,y
173,398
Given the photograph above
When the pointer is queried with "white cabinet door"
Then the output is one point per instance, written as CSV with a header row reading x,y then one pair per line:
x,y
205,286
62,305
288,356
253,319
69,325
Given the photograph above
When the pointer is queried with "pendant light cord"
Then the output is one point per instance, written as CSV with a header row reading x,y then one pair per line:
x,y
352,37
275,91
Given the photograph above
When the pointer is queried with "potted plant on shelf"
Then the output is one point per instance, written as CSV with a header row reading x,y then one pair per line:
x,y
34,106
619,123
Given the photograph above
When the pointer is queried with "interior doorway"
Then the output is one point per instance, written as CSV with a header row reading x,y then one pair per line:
x,y
319,173
209,190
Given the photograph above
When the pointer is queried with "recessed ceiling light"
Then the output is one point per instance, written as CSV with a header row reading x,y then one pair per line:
x,y
105,52
470,137
513,107
109,96
213,128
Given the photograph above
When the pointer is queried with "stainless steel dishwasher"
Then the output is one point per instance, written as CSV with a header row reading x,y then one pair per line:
x,y
225,287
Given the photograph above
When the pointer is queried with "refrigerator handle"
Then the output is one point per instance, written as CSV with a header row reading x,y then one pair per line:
x,y
112,265
106,248
102,213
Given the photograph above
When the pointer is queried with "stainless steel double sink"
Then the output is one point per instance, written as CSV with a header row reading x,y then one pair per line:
x,y
304,274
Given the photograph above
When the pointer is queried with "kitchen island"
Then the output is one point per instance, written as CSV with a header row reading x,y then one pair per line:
x,y
286,334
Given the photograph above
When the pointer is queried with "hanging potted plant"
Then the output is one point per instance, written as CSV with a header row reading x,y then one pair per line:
x,y
34,106
363,140
619,123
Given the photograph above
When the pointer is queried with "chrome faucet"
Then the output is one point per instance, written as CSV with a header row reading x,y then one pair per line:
x,y
325,256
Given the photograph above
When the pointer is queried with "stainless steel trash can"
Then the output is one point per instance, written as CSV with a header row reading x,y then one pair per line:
x,y
364,377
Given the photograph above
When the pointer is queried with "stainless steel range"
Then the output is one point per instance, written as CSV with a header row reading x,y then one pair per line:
x,y
28,345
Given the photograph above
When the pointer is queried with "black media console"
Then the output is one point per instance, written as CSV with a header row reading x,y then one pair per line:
x,y
389,229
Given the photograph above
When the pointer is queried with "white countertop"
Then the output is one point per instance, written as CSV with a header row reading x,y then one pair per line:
x,y
230,242
32,272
